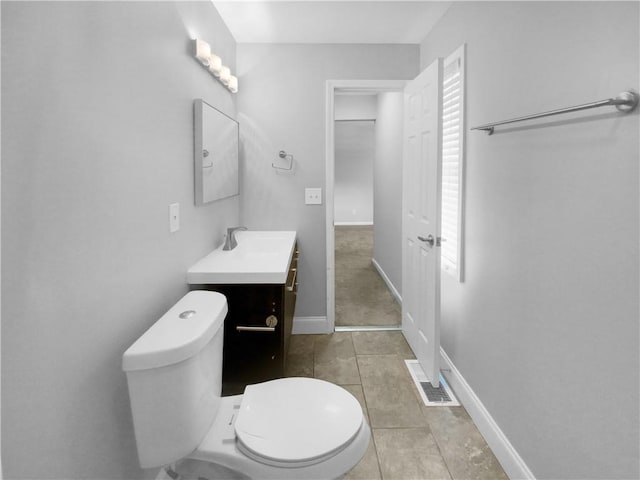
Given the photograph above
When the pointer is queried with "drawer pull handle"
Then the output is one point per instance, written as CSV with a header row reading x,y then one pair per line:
x,y
293,281
242,328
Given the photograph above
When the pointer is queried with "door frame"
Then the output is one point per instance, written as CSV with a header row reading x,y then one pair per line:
x,y
356,86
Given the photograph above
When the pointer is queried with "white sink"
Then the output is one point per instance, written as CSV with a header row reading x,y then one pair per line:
x,y
260,257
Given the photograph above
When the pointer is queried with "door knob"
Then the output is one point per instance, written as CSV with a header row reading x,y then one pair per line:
x,y
429,239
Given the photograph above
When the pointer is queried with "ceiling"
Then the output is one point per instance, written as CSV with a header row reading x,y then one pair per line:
x,y
308,21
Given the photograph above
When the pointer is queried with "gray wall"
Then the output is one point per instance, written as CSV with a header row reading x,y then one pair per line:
x,y
387,214
97,141
354,153
355,106
545,326
353,172
282,106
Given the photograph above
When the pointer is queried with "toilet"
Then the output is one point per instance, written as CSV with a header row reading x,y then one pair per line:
x,y
290,428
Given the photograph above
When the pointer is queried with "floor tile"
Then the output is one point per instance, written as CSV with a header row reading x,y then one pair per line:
x,y
393,406
334,359
381,343
462,446
411,453
356,391
383,370
302,344
335,345
368,468
412,441
362,297
342,371
299,365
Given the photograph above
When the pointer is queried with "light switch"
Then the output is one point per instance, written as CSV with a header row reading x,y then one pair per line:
x,y
174,217
313,196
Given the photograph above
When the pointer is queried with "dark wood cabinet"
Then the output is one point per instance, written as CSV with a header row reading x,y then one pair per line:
x,y
257,329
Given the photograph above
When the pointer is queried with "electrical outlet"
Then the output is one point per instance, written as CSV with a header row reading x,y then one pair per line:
x,y
174,217
313,196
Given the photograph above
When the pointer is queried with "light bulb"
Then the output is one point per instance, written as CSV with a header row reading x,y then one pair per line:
x,y
233,84
203,51
225,75
215,64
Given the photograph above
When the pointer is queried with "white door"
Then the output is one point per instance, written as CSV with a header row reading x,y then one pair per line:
x,y
421,218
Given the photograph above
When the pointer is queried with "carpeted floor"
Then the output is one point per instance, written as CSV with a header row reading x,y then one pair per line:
x,y
362,297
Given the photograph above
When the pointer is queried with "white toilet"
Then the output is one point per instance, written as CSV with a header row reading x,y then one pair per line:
x,y
291,428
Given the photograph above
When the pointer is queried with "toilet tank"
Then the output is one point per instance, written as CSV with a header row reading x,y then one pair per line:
x,y
174,373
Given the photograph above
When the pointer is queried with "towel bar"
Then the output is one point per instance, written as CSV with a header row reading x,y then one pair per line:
x,y
625,102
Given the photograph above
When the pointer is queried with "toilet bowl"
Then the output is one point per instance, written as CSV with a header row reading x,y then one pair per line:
x,y
253,434
290,428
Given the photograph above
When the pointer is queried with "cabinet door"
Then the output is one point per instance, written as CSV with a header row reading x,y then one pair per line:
x,y
253,336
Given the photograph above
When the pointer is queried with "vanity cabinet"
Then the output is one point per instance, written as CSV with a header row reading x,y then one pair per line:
x,y
257,329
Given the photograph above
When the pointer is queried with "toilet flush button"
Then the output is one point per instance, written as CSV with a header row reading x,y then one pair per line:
x,y
187,314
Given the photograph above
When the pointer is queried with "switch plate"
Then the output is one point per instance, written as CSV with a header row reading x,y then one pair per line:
x,y
313,196
174,217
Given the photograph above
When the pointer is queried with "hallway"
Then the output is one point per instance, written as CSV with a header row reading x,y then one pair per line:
x,y
362,297
410,441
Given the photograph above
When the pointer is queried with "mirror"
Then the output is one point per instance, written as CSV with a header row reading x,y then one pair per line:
x,y
216,153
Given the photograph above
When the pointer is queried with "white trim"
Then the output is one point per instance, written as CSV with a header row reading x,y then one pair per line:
x,y
329,117
513,465
457,271
368,328
1,474
352,224
387,281
310,326
344,86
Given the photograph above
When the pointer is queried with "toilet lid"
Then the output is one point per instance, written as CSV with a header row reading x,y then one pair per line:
x,y
296,421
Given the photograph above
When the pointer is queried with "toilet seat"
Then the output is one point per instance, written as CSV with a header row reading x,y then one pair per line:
x,y
296,422
220,448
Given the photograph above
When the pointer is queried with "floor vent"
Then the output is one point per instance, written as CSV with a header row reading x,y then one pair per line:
x,y
432,397
435,394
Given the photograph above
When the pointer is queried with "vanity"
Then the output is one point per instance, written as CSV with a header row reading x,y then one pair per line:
x,y
259,279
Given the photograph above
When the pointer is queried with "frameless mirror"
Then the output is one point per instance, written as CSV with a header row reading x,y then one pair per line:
x,y
216,153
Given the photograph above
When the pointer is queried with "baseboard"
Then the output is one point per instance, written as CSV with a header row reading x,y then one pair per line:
x,y
310,325
390,285
352,224
513,465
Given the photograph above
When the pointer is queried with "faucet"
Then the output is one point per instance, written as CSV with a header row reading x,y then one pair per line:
x,y
230,241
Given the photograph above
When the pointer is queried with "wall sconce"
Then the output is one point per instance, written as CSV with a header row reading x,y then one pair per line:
x,y
213,63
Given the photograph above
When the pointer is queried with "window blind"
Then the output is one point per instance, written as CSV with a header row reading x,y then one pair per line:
x,y
451,162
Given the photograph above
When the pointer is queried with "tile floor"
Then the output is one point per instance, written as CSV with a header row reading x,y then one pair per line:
x,y
410,440
362,297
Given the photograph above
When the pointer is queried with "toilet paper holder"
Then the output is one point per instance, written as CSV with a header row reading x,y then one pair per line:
x,y
287,156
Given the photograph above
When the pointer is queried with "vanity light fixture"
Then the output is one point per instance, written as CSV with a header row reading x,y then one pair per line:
x,y
225,75
213,63
203,52
233,84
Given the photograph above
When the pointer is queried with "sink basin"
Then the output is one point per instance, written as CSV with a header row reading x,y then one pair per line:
x,y
260,257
